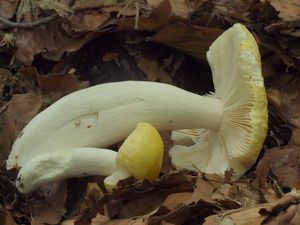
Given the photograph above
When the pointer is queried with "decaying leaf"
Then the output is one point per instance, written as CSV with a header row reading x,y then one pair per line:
x,y
50,208
282,211
19,111
288,9
286,93
179,7
193,40
153,70
60,6
84,22
280,166
5,217
92,4
8,8
53,83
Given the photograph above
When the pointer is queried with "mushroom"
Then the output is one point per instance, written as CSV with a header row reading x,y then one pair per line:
x,y
63,164
235,63
140,156
235,116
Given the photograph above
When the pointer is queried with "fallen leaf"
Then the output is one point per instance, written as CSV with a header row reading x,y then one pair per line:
x,y
268,213
84,22
19,111
192,40
295,139
176,200
237,195
273,46
110,56
179,7
141,205
49,208
80,5
5,217
8,8
62,83
32,42
289,10
206,185
286,93
158,19
153,70
282,164
9,85
60,7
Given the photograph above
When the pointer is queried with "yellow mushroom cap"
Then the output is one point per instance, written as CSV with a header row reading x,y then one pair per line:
x,y
236,67
139,156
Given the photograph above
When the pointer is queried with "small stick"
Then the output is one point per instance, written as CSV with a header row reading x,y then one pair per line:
x,y
10,24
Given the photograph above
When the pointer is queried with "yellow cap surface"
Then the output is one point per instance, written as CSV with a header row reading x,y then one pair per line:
x,y
142,152
139,156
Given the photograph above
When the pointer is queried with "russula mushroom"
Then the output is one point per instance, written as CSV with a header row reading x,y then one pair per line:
x,y
235,63
236,114
105,114
139,156
63,164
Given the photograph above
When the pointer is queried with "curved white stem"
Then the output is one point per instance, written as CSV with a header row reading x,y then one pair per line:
x,y
105,114
60,165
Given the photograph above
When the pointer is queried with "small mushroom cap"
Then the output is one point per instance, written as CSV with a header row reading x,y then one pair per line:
x,y
236,67
139,156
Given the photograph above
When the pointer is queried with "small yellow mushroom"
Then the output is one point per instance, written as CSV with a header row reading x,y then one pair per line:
x,y
139,156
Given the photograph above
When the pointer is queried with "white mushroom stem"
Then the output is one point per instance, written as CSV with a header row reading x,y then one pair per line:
x,y
60,165
105,114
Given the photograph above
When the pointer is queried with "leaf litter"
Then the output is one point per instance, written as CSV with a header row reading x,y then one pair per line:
x,y
45,48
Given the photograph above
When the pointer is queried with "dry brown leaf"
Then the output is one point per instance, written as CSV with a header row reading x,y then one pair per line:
x,y
63,83
50,208
267,214
158,19
5,217
206,185
179,7
236,195
295,139
143,220
86,21
59,84
93,194
282,165
286,93
49,41
59,6
273,46
142,205
110,56
92,4
289,10
32,42
193,40
20,110
9,85
153,70
168,143
8,8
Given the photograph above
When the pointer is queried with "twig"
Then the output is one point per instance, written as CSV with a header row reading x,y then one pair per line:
x,y
125,7
10,24
136,25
